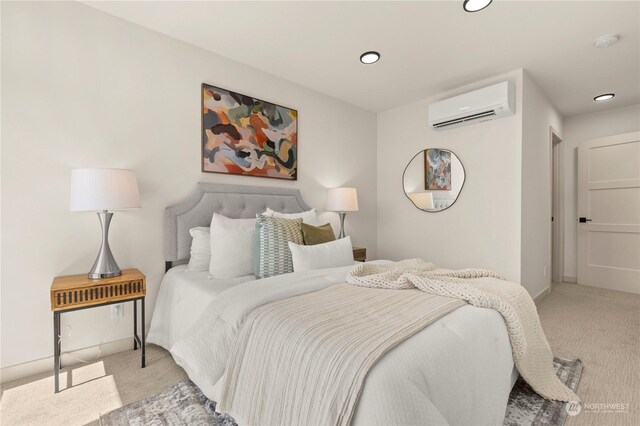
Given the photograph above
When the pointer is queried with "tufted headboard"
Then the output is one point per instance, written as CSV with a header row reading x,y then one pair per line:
x,y
234,201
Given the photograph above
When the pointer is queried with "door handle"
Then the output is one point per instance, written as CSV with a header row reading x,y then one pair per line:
x,y
584,220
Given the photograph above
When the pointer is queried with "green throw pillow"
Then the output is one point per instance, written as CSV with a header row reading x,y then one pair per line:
x,y
317,234
272,255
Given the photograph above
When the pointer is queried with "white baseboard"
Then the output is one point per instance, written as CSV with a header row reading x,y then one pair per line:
x,y
15,372
544,293
569,279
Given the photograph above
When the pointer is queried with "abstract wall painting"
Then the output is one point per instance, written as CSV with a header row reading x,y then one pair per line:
x,y
437,165
242,135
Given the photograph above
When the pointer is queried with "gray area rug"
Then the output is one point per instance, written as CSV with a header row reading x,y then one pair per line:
x,y
184,404
526,407
181,404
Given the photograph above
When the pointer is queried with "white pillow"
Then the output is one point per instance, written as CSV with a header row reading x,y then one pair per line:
x,y
232,246
319,256
200,249
309,217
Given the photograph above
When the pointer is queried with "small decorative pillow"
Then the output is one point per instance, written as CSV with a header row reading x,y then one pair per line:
x,y
313,235
273,234
232,242
200,249
310,217
328,255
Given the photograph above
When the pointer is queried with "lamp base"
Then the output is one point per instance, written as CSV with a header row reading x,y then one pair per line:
x,y
97,276
105,265
342,215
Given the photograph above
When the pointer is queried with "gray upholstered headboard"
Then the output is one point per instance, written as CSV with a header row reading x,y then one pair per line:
x,y
235,201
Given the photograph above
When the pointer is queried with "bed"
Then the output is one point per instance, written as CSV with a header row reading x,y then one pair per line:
x,y
184,295
458,370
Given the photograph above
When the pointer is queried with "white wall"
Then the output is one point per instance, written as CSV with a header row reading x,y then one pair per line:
x,y
483,228
538,115
578,129
84,89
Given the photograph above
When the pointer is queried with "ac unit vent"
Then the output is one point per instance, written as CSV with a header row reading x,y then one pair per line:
x,y
484,104
463,119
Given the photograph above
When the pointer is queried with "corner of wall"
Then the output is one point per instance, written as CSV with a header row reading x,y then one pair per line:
x,y
578,128
480,231
538,116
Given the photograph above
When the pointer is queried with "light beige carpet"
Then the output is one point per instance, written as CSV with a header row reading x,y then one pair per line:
x,y
88,390
601,327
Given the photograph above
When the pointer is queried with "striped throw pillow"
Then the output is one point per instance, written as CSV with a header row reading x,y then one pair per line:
x,y
273,234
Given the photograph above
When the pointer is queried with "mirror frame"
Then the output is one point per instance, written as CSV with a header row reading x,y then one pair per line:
x,y
421,152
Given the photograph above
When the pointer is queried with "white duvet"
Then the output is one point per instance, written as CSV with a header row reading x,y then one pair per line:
x,y
458,370
182,299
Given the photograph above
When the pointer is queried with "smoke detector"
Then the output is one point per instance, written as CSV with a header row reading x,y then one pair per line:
x,y
606,41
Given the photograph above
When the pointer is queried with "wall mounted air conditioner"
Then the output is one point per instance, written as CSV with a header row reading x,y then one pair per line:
x,y
488,103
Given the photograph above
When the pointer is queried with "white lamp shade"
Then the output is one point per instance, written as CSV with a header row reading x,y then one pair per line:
x,y
422,200
103,189
342,200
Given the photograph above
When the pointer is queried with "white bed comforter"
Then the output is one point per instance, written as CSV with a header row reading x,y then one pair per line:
x,y
458,370
183,297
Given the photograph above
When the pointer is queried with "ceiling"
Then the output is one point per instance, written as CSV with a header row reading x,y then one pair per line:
x,y
426,47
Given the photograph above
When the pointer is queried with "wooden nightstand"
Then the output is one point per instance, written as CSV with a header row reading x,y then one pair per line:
x,y
76,292
359,254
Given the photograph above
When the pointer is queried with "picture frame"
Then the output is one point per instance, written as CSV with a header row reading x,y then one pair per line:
x,y
244,135
437,170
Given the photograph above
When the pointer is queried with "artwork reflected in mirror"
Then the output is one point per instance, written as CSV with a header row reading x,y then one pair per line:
x,y
433,179
437,165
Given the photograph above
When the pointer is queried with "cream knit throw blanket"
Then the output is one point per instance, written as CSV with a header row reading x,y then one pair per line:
x,y
531,351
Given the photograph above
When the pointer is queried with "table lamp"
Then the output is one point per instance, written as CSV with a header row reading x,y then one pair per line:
x,y
342,200
101,190
422,200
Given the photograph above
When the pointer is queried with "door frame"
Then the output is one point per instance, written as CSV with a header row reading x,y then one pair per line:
x,y
556,181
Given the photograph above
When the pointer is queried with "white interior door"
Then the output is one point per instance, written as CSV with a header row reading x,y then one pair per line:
x,y
609,212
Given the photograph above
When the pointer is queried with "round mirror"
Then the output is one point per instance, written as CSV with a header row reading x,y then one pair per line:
x,y
433,179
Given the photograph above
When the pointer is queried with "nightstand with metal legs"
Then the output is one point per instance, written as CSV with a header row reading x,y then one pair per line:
x,y
77,292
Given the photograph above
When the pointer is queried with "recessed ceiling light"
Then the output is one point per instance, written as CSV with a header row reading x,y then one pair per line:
x,y
604,97
369,57
475,5
606,40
